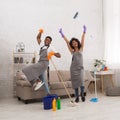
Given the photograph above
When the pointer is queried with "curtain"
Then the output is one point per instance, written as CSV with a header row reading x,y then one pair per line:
x,y
111,27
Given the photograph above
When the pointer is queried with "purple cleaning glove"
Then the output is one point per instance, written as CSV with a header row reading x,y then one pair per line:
x,y
84,29
60,31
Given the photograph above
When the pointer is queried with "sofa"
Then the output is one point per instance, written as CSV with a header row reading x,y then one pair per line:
x,y
25,92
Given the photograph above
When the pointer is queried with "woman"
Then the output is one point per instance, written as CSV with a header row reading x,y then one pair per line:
x,y
76,68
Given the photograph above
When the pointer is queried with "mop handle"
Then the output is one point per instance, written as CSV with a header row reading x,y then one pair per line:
x,y
61,80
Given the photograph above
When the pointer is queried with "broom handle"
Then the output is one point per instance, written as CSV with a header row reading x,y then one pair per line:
x,y
95,84
62,80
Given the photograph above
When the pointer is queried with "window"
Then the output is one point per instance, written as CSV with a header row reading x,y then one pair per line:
x,y
111,18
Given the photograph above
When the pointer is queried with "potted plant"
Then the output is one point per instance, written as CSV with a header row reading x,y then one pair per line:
x,y
100,64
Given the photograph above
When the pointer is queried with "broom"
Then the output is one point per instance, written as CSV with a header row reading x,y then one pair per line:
x,y
95,99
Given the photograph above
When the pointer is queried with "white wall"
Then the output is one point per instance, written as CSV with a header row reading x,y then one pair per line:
x,y
21,20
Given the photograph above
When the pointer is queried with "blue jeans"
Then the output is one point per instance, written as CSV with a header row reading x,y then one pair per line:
x,y
77,91
42,77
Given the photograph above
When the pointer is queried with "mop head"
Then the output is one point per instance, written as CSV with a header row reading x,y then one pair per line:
x,y
73,104
94,99
50,55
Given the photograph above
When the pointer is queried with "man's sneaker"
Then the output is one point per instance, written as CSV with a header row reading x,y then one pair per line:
x,y
34,84
38,85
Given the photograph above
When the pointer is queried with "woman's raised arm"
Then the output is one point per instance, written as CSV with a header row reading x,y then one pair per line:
x,y
66,40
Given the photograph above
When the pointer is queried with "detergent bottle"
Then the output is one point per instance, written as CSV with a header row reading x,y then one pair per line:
x,y
54,104
58,103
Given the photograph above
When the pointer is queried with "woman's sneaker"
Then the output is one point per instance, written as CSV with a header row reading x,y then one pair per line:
x,y
38,85
77,99
82,97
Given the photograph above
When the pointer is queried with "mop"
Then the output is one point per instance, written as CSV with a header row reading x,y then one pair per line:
x,y
95,99
61,78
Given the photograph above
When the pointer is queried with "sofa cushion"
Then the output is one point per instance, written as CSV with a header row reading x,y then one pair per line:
x,y
20,76
23,83
58,85
53,76
65,74
69,84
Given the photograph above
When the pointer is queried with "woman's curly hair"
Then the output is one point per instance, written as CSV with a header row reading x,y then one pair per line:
x,y
75,39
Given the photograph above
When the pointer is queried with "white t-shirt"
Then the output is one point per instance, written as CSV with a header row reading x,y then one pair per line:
x,y
50,51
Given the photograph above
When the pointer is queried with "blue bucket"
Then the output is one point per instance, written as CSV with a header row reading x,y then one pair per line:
x,y
47,101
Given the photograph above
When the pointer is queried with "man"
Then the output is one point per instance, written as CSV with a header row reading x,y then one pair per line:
x,y
33,72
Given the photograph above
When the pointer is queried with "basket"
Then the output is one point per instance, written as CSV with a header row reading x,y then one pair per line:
x,y
47,101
